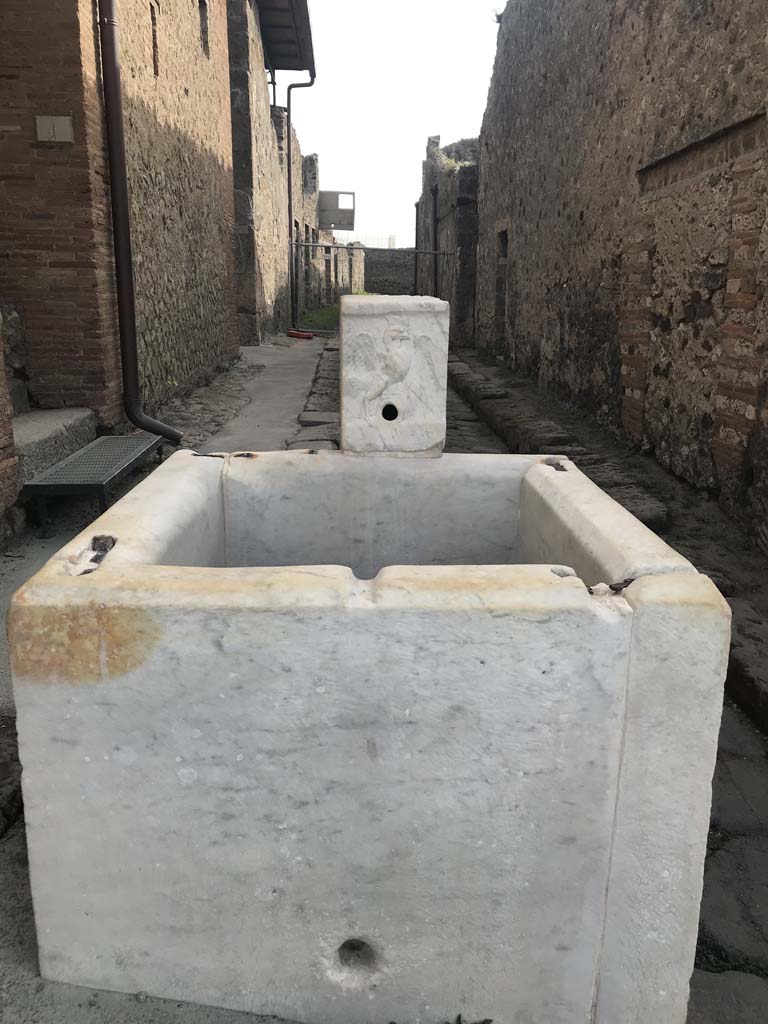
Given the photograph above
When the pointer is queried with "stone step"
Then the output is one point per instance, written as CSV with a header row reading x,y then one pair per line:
x,y
46,436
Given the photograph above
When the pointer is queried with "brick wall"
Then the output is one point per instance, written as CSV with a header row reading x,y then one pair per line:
x,y
389,271
449,179
623,245
56,259
54,248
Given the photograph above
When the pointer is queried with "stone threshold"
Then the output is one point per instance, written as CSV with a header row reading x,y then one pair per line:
x,y
529,420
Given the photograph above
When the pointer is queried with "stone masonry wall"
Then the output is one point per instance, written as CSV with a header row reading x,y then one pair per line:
x,y
449,179
389,271
623,246
261,188
179,153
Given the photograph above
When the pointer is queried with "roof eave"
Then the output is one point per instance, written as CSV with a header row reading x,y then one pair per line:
x,y
286,32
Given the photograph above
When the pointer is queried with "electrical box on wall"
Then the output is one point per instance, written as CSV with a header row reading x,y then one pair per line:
x,y
336,210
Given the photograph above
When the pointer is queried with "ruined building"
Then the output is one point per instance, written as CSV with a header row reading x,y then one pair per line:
x,y
206,154
446,228
623,240
257,39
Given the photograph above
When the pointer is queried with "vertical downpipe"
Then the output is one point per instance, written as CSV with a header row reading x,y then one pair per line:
x,y
121,226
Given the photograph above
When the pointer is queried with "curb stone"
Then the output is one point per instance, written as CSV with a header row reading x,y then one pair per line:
x,y
526,431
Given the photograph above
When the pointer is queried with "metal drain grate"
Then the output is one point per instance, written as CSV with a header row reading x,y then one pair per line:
x,y
95,467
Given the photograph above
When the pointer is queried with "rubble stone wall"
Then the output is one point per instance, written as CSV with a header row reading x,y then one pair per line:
x,y
623,244
179,154
389,271
449,194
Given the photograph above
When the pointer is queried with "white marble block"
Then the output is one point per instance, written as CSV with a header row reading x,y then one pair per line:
x,y
394,371
357,741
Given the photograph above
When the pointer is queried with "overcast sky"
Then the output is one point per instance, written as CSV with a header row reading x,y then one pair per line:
x,y
388,76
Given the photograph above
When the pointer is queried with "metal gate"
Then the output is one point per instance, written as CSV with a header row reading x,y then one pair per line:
x,y
322,272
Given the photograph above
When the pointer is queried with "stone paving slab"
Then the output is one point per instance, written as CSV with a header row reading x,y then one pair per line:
x,y
10,775
312,419
734,910
306,436
728,998
748,668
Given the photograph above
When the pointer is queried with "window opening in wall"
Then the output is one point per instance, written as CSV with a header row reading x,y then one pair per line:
x,y
202,7
155,50
346,201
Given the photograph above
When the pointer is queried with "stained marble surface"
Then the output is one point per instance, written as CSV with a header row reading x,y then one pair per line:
x,y
410,762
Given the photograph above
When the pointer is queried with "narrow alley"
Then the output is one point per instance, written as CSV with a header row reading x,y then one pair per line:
x,y
384,512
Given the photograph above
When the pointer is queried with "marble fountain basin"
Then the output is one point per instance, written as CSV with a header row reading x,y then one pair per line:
x,y
355,740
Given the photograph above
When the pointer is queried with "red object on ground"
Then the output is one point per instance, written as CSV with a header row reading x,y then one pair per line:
x,y
300,334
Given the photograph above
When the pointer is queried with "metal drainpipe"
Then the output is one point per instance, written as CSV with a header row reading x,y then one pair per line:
x,y
273,86
294,284
121,226
436,270
416,255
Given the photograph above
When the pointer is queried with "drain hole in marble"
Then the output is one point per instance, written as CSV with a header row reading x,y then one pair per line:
x,y
357,954
389,412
